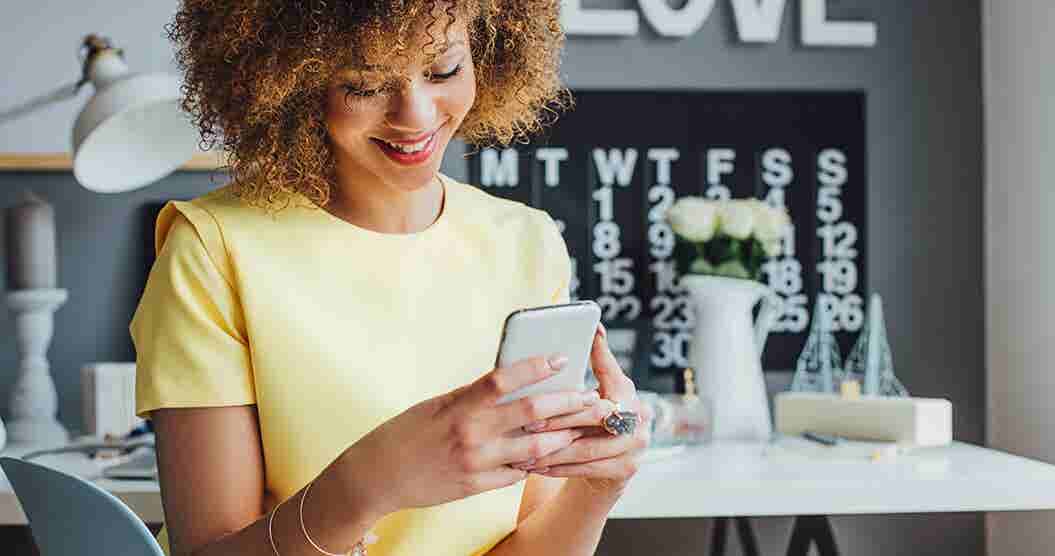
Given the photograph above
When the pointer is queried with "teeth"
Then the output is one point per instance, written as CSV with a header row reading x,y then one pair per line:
x,y
416,147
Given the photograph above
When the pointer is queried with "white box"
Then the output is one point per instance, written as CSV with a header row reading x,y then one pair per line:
x,y
108,392
909,421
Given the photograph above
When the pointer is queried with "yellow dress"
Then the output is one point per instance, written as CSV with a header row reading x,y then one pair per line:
x,y
332,329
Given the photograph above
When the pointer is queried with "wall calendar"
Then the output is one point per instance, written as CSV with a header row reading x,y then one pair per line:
x,y
609,168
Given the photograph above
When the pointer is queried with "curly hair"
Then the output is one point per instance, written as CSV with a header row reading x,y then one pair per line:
x,y
256,75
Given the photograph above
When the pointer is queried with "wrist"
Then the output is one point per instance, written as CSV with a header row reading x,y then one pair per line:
x,y
364,492
600,494
330,514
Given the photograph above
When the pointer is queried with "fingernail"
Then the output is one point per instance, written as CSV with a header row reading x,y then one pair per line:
x,y
536,426
604,332
540,470
557,362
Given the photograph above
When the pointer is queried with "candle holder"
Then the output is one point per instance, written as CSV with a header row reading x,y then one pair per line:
x,y
34,401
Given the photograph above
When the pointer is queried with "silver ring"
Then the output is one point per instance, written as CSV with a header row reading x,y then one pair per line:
x,y
620,422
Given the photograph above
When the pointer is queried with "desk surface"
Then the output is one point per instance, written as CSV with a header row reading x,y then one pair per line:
x,y
798,477
791,477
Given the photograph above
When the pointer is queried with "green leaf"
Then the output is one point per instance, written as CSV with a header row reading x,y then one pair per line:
x,y
756,257
732,269
701,266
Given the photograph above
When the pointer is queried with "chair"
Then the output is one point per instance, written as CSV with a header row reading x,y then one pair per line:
x,y
69,516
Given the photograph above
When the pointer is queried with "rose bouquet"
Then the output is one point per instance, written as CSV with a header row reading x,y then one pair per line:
x,y
732,238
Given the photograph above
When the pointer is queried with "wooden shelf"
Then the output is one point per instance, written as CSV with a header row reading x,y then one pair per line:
x,y
63,162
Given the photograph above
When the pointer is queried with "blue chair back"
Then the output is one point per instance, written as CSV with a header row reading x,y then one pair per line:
x,y
69,516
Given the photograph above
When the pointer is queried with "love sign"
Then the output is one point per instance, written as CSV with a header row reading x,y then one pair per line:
x,y
757,21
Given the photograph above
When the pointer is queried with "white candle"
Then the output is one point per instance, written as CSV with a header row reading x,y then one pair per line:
x,y
29,228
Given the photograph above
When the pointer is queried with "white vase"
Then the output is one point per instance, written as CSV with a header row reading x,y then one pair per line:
x,y
726,355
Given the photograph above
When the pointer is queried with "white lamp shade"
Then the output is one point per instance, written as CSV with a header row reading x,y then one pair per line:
x,y
131,133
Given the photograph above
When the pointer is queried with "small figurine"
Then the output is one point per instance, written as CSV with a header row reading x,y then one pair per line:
x,y
870,360
820,359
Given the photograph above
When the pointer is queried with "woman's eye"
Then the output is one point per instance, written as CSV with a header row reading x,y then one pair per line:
x,y
448,75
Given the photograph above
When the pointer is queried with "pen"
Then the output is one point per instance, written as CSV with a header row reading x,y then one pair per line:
x,y
826,439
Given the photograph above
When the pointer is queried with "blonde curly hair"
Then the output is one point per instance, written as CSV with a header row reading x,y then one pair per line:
x,y
256,75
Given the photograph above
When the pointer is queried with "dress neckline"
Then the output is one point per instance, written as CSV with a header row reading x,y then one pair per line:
x,y
441,222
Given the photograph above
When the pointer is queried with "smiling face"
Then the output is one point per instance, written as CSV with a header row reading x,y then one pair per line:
x,y
390,121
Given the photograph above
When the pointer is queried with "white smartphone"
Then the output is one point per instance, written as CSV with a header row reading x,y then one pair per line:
x,y
565,329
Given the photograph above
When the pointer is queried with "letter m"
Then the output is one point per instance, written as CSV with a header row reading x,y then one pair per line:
x,y
499,172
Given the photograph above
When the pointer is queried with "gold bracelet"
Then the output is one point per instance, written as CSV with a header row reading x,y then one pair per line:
x,y
270,537
358,550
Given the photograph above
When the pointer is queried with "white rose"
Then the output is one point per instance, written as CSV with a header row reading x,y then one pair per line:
x,y
693,218
770,223
736,218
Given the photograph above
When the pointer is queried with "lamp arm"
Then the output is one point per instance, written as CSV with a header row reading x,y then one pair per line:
x,y
58,95
91,48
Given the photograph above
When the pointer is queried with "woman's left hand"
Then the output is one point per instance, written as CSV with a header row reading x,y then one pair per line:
x,y
601,460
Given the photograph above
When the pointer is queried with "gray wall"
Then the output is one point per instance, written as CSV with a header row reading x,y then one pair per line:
x,y
924,141
1020,265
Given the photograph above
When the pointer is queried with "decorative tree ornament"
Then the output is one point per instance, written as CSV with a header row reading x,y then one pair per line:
x,y
820,360
870,361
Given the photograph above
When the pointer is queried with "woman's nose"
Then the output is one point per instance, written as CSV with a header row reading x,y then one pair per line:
x,y
412,109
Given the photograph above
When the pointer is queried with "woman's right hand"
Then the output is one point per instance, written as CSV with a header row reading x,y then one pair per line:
x,y
460,443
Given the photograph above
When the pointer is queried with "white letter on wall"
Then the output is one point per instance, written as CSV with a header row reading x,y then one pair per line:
x,y
615,166
818,31
831,168
552,157
776,168
671,22
578,21
719,163
758,20
504,173
663,158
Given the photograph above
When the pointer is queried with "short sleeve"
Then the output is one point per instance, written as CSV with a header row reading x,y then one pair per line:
x,y
558,262
189,327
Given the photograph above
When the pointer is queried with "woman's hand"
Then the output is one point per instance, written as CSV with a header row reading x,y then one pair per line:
x,y
460,443
602,461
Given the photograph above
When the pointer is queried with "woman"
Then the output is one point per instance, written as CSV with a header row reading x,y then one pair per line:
x,y
316,339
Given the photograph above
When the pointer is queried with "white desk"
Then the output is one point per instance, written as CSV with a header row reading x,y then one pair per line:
x,y
803,479
792,477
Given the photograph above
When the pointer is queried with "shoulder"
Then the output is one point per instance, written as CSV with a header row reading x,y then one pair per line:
x,y
528,237
201,225
222,214
501,214
224,209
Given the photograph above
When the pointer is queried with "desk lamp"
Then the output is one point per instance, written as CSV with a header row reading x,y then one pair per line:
x,y
131,132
